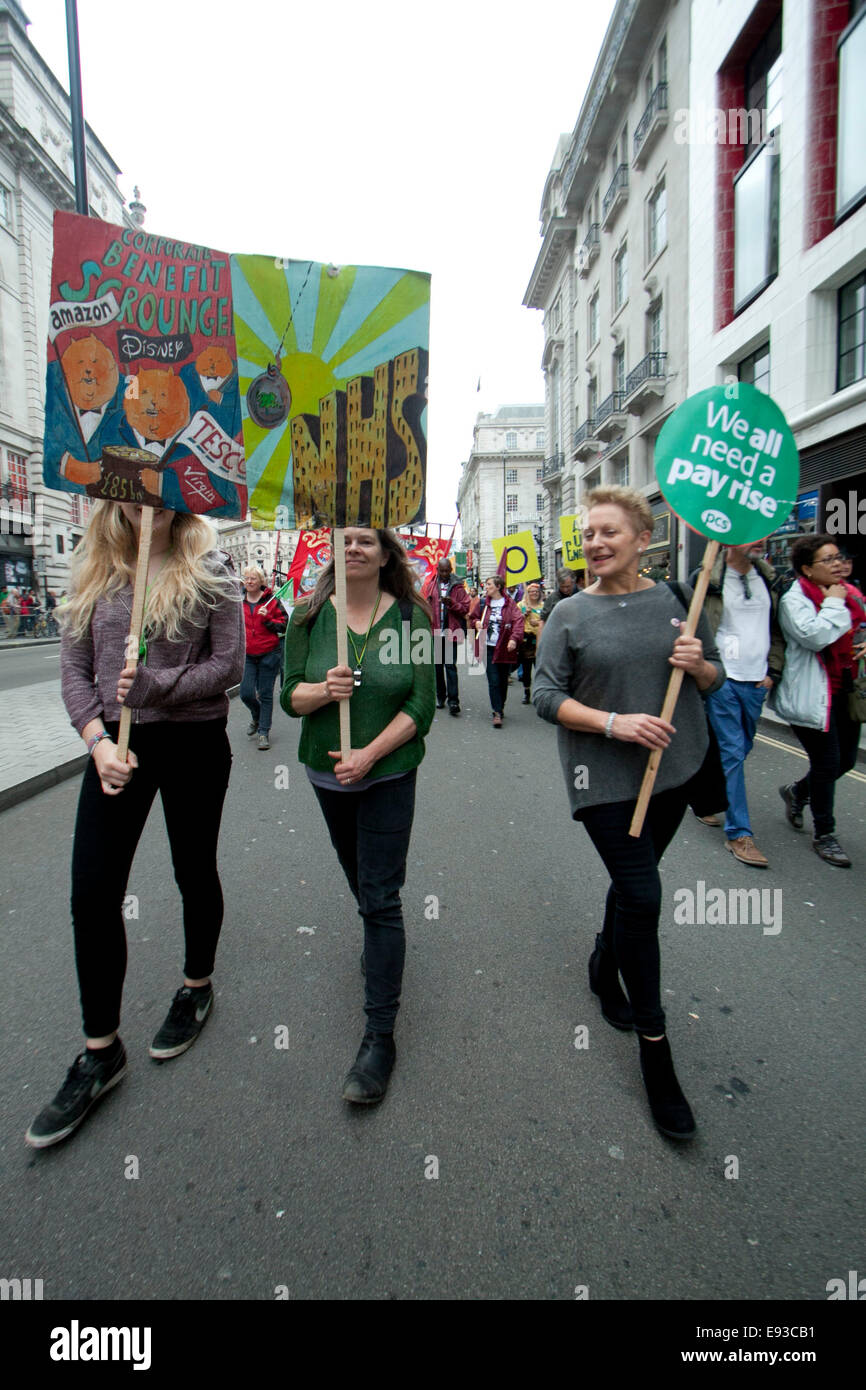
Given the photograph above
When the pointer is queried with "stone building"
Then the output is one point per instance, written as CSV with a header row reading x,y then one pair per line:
x,y
38,529
612,272
500,488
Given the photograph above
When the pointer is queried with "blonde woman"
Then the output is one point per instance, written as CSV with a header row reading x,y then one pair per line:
x,y
192,651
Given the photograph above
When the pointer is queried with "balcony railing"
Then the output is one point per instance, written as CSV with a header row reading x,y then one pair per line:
x,y
647,379
611,405
582,433
589,249
654,119
552,466
615,195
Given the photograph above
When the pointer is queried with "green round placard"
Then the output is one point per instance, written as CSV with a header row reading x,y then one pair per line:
x,y
727,464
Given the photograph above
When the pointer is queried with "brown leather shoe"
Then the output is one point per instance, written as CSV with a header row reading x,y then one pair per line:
x,y
747,852
710,820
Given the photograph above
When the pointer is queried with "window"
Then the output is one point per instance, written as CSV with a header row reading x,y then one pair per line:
x,y
624,145
16,472
511,528
654,328
663,61
756,225
619,369
657,229
511,439
851,148
511,475
539,501
763,88
852,332
539,471
593,320
539,439
591,398
593,480
620,278
5,206
621,469
511,502
58,545
556,314
755,368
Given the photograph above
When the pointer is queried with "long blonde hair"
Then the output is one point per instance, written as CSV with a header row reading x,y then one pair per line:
x,y
104,564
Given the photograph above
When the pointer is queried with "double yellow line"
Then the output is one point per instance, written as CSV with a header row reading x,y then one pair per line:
x,y
798,753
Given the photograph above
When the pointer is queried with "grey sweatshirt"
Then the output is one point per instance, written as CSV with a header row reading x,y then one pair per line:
x,y
611,652
182,680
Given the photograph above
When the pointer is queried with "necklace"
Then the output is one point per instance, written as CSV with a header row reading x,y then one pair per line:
x,y
359,657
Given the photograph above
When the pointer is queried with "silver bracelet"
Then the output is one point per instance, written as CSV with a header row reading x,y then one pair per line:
x,y
609,726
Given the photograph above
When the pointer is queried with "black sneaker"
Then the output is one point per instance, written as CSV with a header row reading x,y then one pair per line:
x,y
88,1079
190,1010
793,806
829,849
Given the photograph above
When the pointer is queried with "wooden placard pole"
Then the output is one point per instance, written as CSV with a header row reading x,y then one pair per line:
x,y
673,690
133,641
338,543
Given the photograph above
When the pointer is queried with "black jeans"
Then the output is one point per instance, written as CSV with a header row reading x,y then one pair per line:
x,y
528,663
631,915
497,682
370,831
189,765
257,687
446,683
831,755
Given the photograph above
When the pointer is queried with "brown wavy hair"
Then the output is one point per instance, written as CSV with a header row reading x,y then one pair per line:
x,y
397,576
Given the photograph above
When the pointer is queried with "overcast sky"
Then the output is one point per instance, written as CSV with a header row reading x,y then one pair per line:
x,y
378,133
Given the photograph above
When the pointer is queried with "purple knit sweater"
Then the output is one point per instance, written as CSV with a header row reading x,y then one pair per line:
x,y
181,681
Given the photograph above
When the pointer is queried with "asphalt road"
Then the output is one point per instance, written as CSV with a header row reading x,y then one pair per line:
x,y
254,1176
29,665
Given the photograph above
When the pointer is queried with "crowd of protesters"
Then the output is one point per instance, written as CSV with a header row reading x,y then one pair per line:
x,y
594,656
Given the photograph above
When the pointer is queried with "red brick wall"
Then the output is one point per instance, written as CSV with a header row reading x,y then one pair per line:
x,y
730,96
829,18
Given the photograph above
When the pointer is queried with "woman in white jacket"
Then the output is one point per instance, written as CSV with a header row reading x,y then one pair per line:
x,y
818,615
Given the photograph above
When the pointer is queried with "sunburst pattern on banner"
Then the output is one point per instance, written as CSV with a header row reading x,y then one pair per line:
x,y
334,324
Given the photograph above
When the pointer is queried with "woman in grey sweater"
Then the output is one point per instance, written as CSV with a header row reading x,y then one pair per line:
x,y
191,653
605,657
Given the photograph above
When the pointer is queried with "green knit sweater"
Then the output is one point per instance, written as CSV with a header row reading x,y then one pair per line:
x,y
388,686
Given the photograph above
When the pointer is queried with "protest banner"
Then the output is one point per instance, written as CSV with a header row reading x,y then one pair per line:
x,y
141,402
521,565
334,380
572,545
727,465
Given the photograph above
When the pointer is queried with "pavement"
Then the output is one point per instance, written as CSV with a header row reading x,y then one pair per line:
x,y
513,1157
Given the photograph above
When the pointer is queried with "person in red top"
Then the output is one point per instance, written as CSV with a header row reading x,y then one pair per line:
x,y
265,622
450,604
28,610
499,626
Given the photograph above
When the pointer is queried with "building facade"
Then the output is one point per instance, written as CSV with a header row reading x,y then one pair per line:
x,y
501,490
38,529
777,234
612,274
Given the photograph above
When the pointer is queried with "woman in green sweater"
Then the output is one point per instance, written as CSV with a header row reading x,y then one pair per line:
x,y
368,799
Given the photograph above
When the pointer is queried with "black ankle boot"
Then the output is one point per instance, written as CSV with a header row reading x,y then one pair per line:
x,y
367,1081
604,981
669,1107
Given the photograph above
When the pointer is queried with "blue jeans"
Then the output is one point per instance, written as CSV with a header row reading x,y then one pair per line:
x,y
734,712
370,831
260,672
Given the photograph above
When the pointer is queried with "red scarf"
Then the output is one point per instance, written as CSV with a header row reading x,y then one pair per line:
x,y
838,657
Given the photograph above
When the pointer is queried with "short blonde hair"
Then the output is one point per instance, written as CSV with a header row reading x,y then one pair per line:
x,y
254,569
628,499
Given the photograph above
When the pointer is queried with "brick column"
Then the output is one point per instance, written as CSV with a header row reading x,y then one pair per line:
x,y
829,18
730,96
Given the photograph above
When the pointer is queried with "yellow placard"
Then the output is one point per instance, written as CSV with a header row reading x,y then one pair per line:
x,y
522,561
572,545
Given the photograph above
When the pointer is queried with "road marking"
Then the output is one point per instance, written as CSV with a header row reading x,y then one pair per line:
x,y
789,748
52,658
